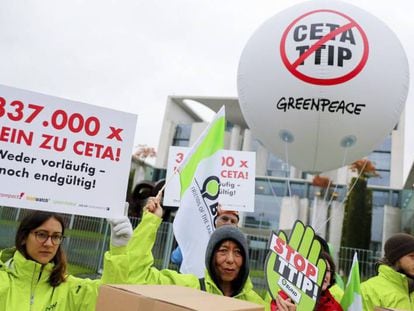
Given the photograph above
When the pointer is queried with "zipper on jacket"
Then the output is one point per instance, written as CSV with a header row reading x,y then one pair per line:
x,y
34,284
32,288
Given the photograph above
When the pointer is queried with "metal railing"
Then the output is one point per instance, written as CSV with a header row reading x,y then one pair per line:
x,y
87,239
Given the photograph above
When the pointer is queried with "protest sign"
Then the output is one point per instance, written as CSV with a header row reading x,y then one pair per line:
x,y
63,156
294,266
237,179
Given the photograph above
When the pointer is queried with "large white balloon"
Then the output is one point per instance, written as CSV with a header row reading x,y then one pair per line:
x,y
324,79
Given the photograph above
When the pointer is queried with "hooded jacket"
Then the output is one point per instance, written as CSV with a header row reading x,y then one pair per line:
x,y
24,283
388,289
142,271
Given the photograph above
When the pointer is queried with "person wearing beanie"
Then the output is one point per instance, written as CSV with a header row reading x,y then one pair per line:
x,y
224,217
393,287
226,260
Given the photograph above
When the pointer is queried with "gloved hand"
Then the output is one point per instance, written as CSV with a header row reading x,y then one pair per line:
x,y
121,231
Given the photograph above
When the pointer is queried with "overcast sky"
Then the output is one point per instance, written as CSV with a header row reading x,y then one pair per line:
x,y
131,54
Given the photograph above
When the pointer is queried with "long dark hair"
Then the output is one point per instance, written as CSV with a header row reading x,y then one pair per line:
x,y
33,221
328,258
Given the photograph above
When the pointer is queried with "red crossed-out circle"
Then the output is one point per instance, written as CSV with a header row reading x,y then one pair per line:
x,y
292,67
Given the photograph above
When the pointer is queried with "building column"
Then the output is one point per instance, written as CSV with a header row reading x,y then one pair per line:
x,y
235,138
289,212
247,140
319,216
262,157
335,226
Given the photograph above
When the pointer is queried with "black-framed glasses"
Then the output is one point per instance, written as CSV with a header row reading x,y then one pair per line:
x,y
42,236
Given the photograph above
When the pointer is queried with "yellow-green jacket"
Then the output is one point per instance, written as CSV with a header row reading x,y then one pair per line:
x,y
142,271
24,284
336,292
388,289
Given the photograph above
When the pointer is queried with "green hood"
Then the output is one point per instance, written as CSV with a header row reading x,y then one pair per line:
x,y
6,254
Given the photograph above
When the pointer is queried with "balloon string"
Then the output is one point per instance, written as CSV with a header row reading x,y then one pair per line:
x,y
314,211
346,196
336,186
327,190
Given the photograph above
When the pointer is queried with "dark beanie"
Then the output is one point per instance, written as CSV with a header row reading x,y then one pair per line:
x,y
224,233
397,246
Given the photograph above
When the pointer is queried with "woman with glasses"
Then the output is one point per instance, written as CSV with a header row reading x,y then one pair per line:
x,y
33,274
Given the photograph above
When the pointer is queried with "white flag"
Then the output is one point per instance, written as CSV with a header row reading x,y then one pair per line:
x,y
199,178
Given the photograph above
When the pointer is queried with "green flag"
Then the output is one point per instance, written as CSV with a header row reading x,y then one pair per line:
x,y
352,300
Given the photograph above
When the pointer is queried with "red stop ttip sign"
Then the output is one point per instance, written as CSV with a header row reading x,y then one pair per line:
x,y
329,35
295,259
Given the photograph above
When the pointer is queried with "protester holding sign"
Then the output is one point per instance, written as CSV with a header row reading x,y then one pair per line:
x,y
33,274
224,217
226,260
393,287
326,302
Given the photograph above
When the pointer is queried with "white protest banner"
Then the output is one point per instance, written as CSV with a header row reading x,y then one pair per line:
x,y
237,179
63,156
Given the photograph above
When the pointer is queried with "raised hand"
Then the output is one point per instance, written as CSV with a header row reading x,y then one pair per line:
x,y
121,231
153,206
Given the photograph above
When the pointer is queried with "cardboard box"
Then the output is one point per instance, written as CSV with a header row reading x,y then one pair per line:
x,y
166,298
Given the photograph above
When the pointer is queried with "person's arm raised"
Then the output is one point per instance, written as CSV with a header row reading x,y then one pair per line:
x,y
154,206
141,260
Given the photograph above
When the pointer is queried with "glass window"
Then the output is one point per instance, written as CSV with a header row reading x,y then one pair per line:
x,y
380,198
270,187
266,213
386,145
407,220
381,160
278,188
277,167
298,189
395,199
229,126
377,223
382,180
261,187
407,199
182,135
